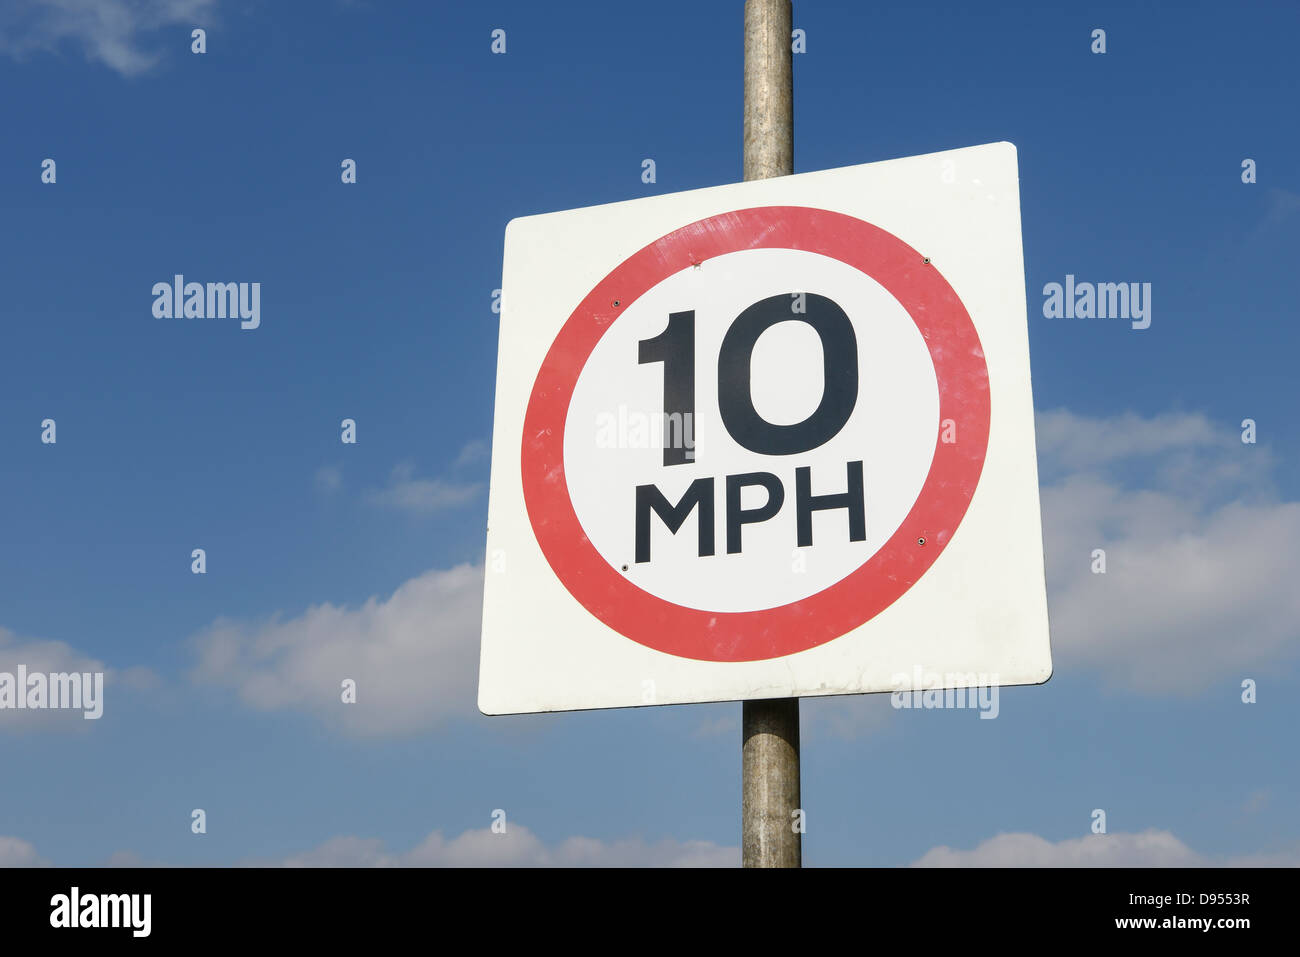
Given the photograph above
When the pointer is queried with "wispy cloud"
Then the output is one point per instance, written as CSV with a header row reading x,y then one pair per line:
x,y
413,656
1200,552
423,496
57,657
1179,504
329,478
1149,848
1282,204
517,847
1071,443
475,451
111,32
18,853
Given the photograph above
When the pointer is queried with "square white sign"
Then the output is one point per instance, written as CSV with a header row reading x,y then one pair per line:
x,y
765,440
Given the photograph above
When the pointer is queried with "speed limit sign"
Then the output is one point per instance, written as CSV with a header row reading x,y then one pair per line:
x,y
765,440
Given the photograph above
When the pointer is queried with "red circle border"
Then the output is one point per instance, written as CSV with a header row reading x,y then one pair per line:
x,y
962,376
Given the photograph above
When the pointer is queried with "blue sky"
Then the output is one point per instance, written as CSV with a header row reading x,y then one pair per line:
x,y
376,306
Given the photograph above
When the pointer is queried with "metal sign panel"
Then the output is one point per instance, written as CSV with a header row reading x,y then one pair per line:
x,y
765,440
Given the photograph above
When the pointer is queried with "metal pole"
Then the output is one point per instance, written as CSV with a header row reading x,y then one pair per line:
x,y
770,749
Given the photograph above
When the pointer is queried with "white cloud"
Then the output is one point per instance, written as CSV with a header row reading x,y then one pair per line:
x,y
18,853
413,656
1149,848
1281,204
57,657
1080,443
329,478
107,31
1281,857
129,859
472,452
1201,556
1257,801
518,847
406,492
1198,590
845,717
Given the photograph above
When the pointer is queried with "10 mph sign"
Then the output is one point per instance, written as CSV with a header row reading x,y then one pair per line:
x,y
765,440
